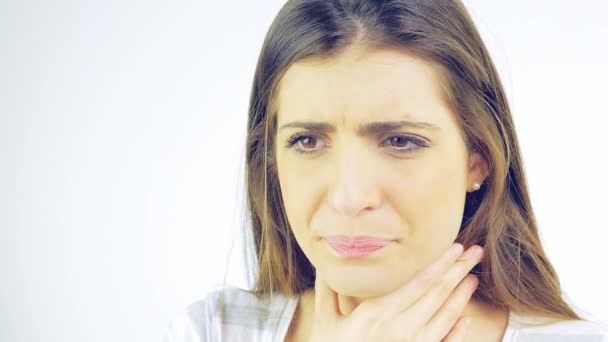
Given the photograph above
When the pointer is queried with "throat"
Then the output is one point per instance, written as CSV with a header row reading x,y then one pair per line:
x,y
489,322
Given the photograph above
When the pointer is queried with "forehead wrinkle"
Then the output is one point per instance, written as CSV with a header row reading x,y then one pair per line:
x,y
343,108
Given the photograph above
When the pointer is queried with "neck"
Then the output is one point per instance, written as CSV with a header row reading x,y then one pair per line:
x,y
488,322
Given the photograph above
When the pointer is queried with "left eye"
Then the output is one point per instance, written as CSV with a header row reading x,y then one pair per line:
x,y
405,141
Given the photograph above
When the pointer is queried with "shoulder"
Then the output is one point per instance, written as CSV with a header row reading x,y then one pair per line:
x,y
534,328
229,313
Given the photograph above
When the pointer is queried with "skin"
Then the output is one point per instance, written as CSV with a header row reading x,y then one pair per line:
x,y
382,184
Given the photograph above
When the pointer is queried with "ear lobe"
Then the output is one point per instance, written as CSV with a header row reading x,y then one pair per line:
x,y
478,168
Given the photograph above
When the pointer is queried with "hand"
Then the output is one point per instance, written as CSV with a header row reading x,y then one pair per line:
x,y
427,308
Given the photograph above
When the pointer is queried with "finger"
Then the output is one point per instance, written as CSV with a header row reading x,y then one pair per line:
x,y
421,312
402,298
459,331
439,326
326,301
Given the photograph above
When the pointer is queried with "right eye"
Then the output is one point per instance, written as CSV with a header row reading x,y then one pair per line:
x,y
305,139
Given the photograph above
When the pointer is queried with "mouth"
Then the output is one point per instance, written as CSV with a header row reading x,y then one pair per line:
x,y
356,247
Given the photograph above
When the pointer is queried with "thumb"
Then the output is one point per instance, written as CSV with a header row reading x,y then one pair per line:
x,y
326,300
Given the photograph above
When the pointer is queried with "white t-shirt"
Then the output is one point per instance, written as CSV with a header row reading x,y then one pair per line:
x,y
247,318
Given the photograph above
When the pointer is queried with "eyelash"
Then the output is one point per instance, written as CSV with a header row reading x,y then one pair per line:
x,y
419,144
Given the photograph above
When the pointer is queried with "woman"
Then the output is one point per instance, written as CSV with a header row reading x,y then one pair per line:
x,y
380,142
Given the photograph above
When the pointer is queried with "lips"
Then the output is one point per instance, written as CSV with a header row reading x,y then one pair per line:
x,y
357,246
357,241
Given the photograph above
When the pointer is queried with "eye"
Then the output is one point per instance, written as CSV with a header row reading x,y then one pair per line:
x,y
403,141
305,139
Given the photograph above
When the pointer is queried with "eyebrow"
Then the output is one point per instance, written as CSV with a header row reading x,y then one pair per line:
x,y
366,129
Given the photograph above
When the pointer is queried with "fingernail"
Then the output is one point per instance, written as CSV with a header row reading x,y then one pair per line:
x,y
476,251
455,249
474,281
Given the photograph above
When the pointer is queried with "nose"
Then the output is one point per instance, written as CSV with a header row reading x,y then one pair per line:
x,y
354,189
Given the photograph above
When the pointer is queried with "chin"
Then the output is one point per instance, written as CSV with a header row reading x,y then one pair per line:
x,y
361,286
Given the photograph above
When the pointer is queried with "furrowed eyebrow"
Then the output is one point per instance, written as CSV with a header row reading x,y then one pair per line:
x,y
321,127
372,128
366,129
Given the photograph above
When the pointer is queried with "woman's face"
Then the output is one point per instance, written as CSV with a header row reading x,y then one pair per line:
x,y
407,183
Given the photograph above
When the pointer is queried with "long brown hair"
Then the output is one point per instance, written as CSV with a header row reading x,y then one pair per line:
x,y
516,273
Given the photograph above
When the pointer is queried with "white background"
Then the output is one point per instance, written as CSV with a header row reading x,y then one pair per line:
x,y
122,127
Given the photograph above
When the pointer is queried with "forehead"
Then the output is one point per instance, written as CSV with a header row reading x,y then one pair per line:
x,y
373,83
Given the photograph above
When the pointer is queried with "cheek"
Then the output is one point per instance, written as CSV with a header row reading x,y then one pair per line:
x,y
298,190
430,198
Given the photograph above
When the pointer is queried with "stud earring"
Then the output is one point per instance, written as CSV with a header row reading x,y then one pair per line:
x,y
476,186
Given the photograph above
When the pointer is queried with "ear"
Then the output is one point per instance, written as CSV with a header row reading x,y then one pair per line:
x,y
478,170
